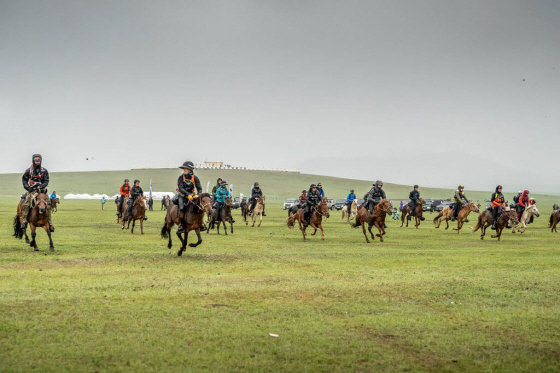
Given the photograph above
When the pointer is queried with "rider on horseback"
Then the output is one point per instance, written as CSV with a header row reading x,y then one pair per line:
x,y
349,200
124,192
414,196
186,185
313,200
303,197
523,203
135,192
375,195
458,199
216,187
498,203
34,180
221,194
256,192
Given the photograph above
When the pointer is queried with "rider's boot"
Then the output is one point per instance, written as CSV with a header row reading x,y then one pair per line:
x,y
25,214
263,214
181,228
51,227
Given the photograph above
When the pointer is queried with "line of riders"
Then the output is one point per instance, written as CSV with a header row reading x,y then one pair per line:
x,y
36,179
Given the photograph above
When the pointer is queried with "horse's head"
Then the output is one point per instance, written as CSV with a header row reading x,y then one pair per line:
x,y
421,201
324,208
513,217
141,201
534,210
206,202
229,202
473,207
261,200
41,202
386,206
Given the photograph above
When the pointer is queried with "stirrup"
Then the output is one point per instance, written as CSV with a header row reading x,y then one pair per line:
x,y
51,228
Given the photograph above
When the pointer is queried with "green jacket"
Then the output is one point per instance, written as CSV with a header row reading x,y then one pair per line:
x,y
215,189
459,196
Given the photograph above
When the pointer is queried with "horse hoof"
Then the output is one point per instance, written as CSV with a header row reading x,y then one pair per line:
x,y
180,252
36,249
27,242
52,249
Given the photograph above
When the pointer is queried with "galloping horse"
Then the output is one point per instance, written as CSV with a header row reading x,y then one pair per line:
x,y
315,221
447,213
257,211
417,213
485,220
352,213
38,217
121,209
138,212
295,208
225,216
54,203
526,216
377,219
194,216
555,219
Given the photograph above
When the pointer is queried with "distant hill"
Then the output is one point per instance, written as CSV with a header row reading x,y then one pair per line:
x,y
281,185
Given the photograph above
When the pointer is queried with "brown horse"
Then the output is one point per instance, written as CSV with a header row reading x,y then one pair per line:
x,y
257,211
485,220
447,213
121,209
194,220
38,217
315,221
225,216
555,216
54,203
417,213
138,213
377,219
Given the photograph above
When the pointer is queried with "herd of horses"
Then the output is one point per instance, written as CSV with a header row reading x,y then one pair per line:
x,y
200,215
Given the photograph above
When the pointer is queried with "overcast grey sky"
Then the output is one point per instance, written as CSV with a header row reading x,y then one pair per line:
x,y
435,92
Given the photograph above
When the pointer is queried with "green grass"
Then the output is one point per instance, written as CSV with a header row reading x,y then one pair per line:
x,y
424,300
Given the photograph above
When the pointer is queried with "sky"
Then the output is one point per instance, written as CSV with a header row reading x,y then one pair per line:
x,y
438,93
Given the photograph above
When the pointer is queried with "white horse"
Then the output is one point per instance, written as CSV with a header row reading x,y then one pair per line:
x,y
527,214
353,211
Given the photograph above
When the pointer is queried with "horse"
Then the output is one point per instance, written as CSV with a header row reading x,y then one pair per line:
x,y
38,217
257,211
292,210
194,220
417,213
138,212
447,213
54,203
225,216
353,211
121,209
485,220
377,219
315,221
527,214
555,216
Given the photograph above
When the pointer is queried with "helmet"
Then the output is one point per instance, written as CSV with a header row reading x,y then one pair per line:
x,y
219,179
312,186
37,157
520,192
525,192
126,180
136,181
256,183
304,191
188,165
224,182
379,182
351,190
461,187
415,186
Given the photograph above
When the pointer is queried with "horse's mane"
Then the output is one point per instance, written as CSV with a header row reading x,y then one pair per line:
x,y
204,195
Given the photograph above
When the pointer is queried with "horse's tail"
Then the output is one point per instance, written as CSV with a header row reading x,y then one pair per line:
x,y
357,222
437,217
478,224
164,231
291,220
18,232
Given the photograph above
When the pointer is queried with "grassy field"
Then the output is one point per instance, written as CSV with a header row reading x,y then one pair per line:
x,y
424,300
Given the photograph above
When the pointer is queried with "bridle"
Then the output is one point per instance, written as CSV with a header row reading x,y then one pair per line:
x,y
320,212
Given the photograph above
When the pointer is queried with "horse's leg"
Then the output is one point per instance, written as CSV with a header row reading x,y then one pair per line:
x,y
184,245
231,225
133,223
260,221
197,231
33,243
225,227
447,222
254,220
26,237
403,219
51,247
314,228
364,230
370,232
142,225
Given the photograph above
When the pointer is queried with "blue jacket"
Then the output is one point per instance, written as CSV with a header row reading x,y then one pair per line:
x,y
351,197
321,192
222,194
53,196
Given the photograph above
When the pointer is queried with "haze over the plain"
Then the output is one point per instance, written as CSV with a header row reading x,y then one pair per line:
x,y
433,92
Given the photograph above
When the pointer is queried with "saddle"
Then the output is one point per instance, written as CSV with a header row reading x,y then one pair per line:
x,y
175,199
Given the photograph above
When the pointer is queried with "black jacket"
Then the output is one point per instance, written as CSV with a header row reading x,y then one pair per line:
x,y
257,192
516,199
376,194
136,191
414,195
496,195
35,177
313,198
186,186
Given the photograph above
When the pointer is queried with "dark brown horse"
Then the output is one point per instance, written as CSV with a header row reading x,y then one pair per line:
x,y
225,216
194,220
257,211
316,220
121,209
485,220
38,217
417,213
377,219
447,213
54,204
555,216
138,213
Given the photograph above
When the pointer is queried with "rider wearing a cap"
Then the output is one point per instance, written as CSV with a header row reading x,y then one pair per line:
x,y
351,197
34,180
303,197
313,199
124,192
498,203
523,203
221,194
414,196
458,201
186,185
135,192
375,195
256,192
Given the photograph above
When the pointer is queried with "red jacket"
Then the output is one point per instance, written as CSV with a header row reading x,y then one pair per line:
x,y
303,198
125,190
524,199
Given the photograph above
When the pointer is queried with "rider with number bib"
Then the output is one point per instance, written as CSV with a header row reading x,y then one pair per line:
x,y
35,179
256,192
124,192
498,203
186,185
